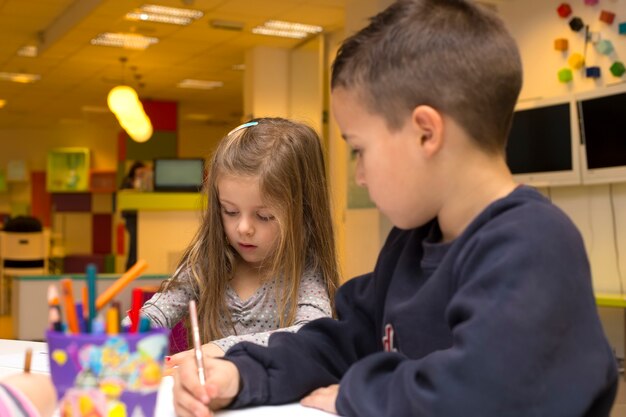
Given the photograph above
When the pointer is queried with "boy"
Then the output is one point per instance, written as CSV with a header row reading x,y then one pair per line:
x,y
481,301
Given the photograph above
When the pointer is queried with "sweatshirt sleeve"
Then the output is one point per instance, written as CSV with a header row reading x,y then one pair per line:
x,y
295,364
526,337
313,303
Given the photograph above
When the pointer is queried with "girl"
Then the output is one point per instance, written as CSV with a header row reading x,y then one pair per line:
x,y
264,257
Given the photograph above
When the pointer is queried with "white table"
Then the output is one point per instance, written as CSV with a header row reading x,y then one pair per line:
x,y
12,361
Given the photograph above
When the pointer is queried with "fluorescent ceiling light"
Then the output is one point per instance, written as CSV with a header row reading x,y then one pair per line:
x,y
171,11
124,40
28,50
260,30
199,84
163,14
2,103
294,27
286,29
19,77
159,18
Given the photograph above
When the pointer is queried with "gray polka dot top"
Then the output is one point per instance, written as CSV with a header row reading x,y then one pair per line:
x,y
254,319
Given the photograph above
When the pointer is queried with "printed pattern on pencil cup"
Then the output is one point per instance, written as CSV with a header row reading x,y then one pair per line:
x,y
107,375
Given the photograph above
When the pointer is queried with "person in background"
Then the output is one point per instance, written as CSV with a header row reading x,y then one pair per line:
x,y
264,257
132,181
27,395
481,301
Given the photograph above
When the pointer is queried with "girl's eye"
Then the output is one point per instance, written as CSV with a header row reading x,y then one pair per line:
x,y
265,217
229,213
355,152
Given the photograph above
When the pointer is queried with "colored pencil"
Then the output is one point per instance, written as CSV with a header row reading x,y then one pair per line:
x,y
70,308
135,306
91,296
120,283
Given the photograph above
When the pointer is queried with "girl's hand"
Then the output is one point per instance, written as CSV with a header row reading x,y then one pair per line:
x,y
209,350
322,398
192,399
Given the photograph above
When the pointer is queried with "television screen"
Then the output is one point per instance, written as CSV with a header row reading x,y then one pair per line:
x,y
178,174
542,149
603,130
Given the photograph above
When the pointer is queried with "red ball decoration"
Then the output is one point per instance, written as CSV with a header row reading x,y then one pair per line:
x,y
564,10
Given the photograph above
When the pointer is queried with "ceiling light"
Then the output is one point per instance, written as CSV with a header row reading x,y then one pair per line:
x,y
261,30
294,27
199,84
2,103
19,77
171,11
159,18
286,29
124,103
28,50
163,14
124,40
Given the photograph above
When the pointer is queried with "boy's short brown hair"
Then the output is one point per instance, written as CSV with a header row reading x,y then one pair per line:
x,y
452,55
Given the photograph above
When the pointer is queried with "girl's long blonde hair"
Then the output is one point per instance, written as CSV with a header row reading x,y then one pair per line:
x,y
288,159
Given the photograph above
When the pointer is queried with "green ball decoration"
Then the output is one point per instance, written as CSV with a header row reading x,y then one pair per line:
x,y
565,75
617,69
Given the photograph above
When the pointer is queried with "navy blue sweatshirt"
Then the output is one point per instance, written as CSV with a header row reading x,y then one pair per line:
x,y
499,322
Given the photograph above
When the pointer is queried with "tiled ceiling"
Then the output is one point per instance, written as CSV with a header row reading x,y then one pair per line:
x,y
76,75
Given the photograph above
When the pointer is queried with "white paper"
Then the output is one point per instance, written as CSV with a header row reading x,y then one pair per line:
x,y
165,407
39,362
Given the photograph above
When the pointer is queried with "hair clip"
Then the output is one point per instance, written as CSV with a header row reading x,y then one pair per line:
x,y
243,126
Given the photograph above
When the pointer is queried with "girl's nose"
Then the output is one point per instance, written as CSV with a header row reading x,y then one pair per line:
x,y
245,227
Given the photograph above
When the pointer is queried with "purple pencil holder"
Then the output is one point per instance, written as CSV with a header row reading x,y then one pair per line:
x,y
102,375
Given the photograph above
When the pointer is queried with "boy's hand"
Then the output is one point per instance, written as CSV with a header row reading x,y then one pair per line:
x,y
193,400
209,350
322,398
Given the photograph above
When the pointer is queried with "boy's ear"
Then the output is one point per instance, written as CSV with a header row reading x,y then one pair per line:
x,y
429,125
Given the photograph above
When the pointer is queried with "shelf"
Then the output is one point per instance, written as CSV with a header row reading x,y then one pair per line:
x,y
159,201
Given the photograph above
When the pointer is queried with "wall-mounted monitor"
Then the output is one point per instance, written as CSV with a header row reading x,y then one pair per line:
x,y
543,145
174,174
602,115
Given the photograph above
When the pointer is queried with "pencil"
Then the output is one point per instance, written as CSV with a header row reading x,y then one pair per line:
x,y
197,348
121,282
70,308
90,302
27,360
